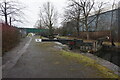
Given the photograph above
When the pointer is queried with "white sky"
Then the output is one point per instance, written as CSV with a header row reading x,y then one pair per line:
x,y
32,9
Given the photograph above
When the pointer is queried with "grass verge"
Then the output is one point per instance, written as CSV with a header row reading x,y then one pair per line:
x,y
105,72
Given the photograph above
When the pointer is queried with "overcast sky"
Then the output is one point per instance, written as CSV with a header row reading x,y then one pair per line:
x,y
32,9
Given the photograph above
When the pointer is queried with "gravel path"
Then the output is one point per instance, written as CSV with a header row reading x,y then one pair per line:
x,y
44,62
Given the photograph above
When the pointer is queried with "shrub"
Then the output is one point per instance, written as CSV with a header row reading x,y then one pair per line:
x,y
10,37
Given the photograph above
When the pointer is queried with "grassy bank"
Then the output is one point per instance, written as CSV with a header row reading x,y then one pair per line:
x,y
105,72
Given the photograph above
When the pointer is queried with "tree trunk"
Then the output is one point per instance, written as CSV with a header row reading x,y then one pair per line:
x,y
78,32
111,32
78,20
10,22
112,39
51,31
86,26
6,22
96,22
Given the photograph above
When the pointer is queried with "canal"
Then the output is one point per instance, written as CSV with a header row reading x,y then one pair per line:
x,y
112,56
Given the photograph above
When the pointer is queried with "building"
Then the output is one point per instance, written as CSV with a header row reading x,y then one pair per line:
x,y
107,21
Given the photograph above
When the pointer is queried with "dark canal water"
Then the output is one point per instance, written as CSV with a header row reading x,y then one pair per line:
x,y
112,56
108,53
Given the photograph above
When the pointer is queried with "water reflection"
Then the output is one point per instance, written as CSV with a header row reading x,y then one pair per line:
x,y
112,56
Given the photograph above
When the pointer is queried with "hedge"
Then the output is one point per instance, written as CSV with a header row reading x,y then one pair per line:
x,y
10,37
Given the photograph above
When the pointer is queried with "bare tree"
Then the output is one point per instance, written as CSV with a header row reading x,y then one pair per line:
x,y
39,24
98,9
73,14
10,10
49,17
86,6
